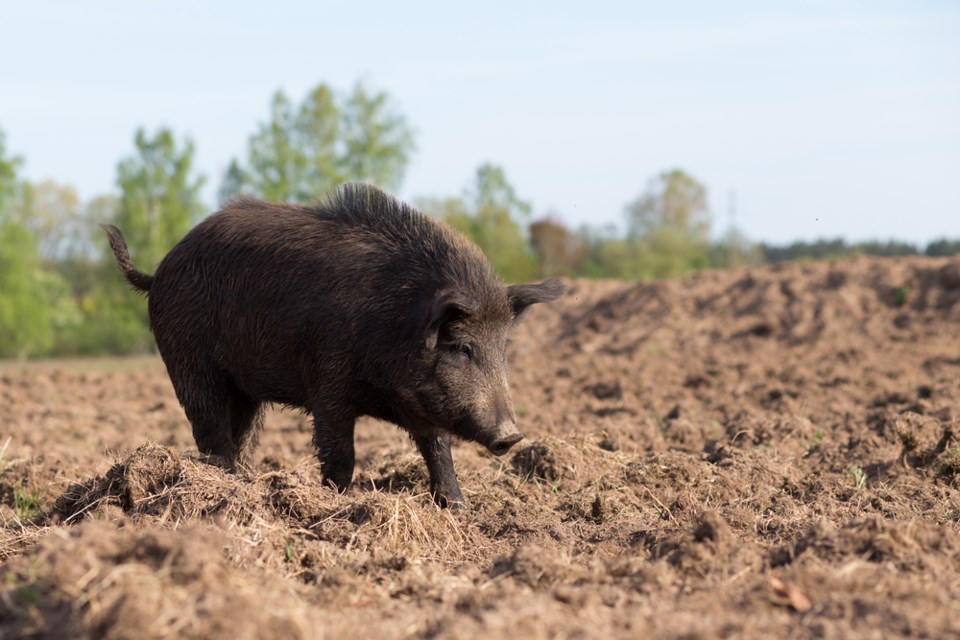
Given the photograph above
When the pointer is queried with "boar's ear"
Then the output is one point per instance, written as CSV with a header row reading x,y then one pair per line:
x,y
447,307
523,295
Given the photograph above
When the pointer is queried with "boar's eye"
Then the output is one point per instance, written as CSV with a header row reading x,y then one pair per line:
x,y
462,351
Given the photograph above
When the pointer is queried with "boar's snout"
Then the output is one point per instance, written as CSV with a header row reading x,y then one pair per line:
x,y
506,436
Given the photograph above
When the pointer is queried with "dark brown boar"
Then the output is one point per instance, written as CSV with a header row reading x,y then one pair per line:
x,y
357,306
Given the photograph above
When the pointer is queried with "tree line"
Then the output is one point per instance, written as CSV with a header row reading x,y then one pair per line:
x,y
839,248
60,293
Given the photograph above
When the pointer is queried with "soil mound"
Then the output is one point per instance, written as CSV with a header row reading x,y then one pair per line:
x,y
796,304
96,581
158,481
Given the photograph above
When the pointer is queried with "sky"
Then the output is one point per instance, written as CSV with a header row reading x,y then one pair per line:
x,y
803,119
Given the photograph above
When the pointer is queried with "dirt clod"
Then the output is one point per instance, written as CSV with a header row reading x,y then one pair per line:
x,y
536,461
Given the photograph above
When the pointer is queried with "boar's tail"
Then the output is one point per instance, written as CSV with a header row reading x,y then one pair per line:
x,y
138,279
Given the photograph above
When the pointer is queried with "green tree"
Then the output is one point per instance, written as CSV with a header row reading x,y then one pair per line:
x,y
235,181
159,196
616,258
10,185
83,262
304,151
453,211
25,326
668,228
278,152
493,216
886,249
159,202
377,141
55,216
593,242
801,250
943,247
673,201
735,250
499,216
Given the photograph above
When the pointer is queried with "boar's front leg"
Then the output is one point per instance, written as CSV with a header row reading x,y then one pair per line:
x,y
333,437
443,479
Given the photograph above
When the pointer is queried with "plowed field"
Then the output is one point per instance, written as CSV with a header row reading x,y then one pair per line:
x,y
769,452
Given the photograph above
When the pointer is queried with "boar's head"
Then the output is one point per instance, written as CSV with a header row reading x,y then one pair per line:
x,y
466,391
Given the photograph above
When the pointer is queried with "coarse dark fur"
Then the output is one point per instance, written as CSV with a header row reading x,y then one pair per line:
x,y
357,306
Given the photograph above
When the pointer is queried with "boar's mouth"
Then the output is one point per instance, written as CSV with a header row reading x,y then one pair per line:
x,y
503,444
498,441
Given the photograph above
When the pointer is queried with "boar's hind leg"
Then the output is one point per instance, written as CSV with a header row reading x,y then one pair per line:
x,y
333,437
443,478
205,396
246,421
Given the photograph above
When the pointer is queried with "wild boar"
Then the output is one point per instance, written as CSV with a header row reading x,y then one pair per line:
x,y
359,305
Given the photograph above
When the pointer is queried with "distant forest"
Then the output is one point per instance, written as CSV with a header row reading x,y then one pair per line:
x,y
825,249
61,293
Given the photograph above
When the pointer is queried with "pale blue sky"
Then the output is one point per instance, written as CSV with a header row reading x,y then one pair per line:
x,y
827,118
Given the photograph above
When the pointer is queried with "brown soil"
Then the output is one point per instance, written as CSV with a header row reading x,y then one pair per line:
x,y
757,453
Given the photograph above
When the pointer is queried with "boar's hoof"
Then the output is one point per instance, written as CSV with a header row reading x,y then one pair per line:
x,y
501,445
454,504
340,485
226,463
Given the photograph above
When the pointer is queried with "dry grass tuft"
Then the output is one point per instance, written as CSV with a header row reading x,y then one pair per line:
x,y
157,481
